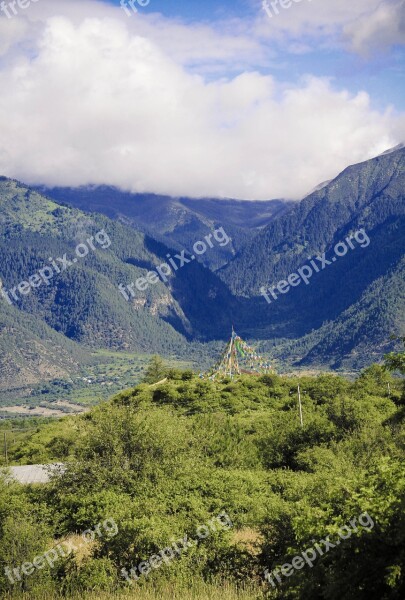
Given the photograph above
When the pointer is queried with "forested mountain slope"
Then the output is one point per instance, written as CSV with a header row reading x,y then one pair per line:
x,y
368,195
343,318
178,222
357,300
31,351
83,301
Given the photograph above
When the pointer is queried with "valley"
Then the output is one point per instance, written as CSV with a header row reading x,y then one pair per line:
x,y
344,320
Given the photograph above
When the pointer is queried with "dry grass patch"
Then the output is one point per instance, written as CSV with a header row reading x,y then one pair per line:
x,y
249,538
197,591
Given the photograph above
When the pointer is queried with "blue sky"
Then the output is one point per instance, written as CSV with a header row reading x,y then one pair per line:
x,y
193,10
381,72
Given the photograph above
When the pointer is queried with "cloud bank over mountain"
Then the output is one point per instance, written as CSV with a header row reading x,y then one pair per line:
x,y
91,96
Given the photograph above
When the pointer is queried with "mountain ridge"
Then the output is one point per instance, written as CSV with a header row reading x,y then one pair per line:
x,y
329,322
176,221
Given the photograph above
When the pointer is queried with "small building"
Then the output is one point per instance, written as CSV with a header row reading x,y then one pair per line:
x,y
29,474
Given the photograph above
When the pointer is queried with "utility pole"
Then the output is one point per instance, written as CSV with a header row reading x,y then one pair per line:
x,y
5,440
389,390
230,354
5,449
300,406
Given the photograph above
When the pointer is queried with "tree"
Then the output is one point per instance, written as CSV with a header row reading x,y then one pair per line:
x,y
24,535
156,370
395,361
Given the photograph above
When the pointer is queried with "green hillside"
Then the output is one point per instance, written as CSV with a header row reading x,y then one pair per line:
x,y
228,465
82,302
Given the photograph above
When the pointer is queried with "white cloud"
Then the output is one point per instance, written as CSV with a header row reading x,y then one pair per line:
x,y
91,100
379,28
226,44
11,32
361,25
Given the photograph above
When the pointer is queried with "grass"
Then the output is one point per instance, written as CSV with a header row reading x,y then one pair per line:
x,y
249,538
198,591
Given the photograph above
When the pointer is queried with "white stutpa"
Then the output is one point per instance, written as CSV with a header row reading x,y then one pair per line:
x,y
29,474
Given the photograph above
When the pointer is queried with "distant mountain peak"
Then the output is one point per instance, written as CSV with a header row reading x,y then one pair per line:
x,y
394,149
318,187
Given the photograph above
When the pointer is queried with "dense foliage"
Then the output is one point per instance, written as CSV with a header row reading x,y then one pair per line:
x,y
163,460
